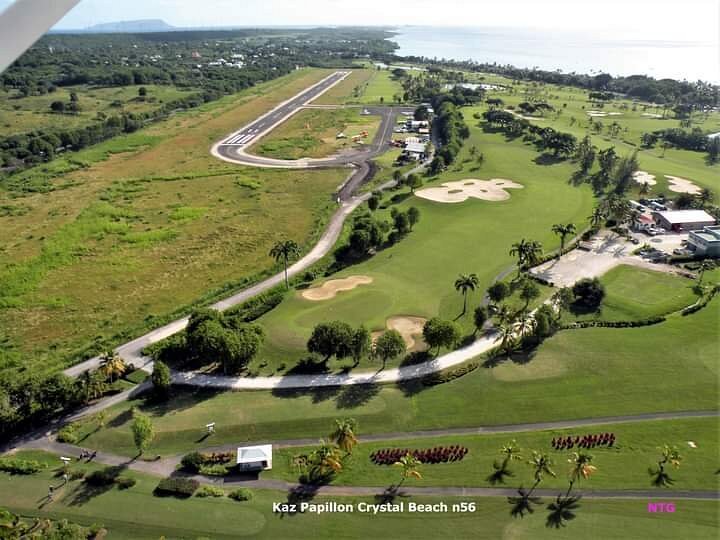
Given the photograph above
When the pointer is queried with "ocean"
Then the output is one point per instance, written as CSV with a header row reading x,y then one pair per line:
x,y
691,60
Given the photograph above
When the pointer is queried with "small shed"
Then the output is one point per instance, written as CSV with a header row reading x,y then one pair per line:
x,y
254,458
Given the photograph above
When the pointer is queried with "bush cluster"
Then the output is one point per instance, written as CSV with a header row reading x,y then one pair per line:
x,y
241,494
177,487
200,461
437,454
20,466
615,324
209,491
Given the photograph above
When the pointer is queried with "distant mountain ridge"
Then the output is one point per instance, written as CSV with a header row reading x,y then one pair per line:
x,y
142,25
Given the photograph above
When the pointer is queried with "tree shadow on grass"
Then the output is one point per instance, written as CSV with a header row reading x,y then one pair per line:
x,y
94,485
546,159
356,395
411,387
318,394
562,511
297,495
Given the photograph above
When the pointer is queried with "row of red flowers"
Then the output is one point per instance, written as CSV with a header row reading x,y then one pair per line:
x,y
438,454
585,441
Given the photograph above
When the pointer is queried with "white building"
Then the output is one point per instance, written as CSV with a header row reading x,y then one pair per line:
x,y
253,458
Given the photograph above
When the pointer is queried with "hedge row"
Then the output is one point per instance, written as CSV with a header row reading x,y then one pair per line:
x,y
614,324
177,487
697,306
20,466
447,376
256,307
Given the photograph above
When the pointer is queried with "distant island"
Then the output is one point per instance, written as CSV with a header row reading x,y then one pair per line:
x,y
142,25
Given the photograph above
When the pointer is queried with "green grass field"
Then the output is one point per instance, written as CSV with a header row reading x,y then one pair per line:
x,y
313,133
635,293
623,466
119,236
138,515
20,114
666,367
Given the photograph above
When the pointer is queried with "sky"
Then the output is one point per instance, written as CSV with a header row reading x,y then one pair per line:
x,y
688,20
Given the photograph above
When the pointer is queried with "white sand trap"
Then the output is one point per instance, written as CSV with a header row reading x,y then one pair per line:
x,y
614,114
596,114
330,288
410,329
651,115
681,185
643,177
456,192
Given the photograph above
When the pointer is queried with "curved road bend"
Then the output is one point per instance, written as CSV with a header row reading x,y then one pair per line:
x,y
131,352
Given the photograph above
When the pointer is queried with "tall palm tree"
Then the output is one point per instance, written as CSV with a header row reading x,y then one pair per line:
x,y
669,456
284,250
506,333
410,465
112,365
563,231
324,461
704,267
510,451
465,283
527,252
597,218
580,468
525,325
541,465
344,434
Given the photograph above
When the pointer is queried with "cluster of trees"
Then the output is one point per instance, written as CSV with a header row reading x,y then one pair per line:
x,y
451,131
29,400
369,234
320,465
545,138
694,139
14,527
615,173
698,95
212,337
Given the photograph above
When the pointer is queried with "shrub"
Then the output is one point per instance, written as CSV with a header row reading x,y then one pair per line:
x,y
213,470
76,474
589,292
209,491
192,462
125,483
20,466
449,375
241,494
177,487
68,434
103,477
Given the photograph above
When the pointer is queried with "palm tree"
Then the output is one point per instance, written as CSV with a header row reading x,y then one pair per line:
x,y
506,333
410,465
704,267
705,196
510,451
284,250
525,325
112,365
324,461
580,467
669,456
344,434
597,218
464,284
563,231
541,465
527,252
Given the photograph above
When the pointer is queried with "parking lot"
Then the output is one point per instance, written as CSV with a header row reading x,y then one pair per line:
x,y
607,250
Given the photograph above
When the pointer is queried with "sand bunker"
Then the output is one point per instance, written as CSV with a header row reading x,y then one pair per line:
x,y
410,329
455,192
595,114
642,177
651,115
681,185
330,288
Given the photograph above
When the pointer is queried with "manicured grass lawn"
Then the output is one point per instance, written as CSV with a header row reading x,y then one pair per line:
x,y
137,514
415,277
635,293
312,133
623,466
584,373
131,230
